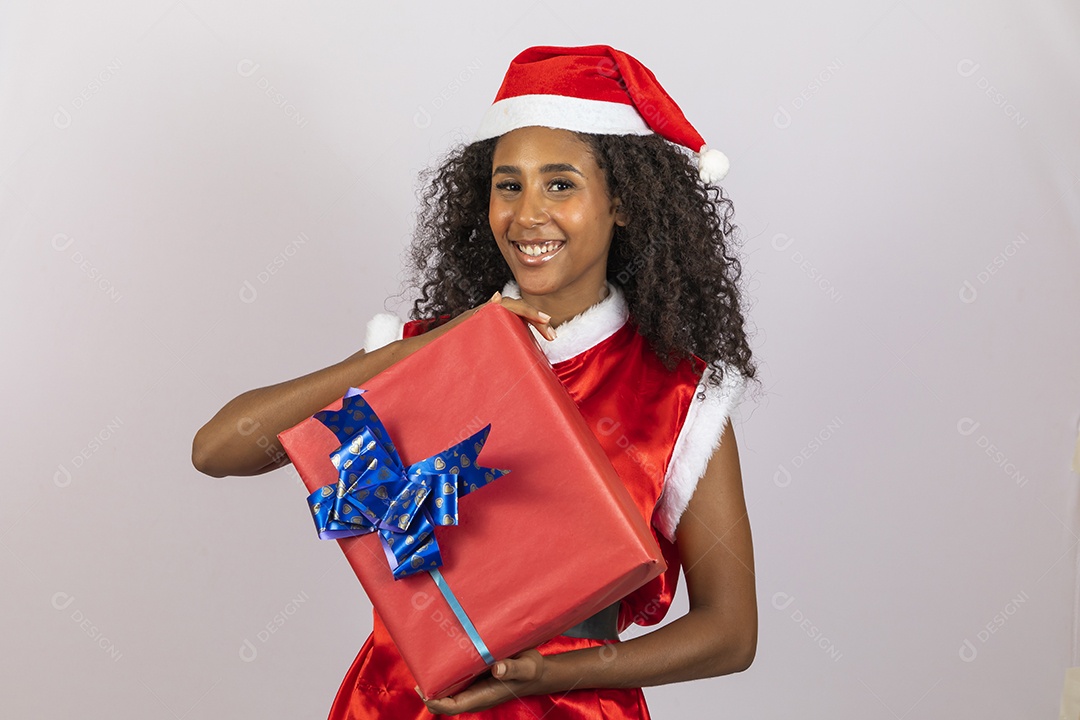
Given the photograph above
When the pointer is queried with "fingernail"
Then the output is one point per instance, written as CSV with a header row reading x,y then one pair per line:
x,y
500,668
497,295
417,689
551,331
544,316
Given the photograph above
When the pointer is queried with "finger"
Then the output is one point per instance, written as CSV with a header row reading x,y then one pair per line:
x,y
541,320
440,705
480,695
495,299
546,330
525,310
513,670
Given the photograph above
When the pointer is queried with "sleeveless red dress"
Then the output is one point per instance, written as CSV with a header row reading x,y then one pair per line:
x,y
639,411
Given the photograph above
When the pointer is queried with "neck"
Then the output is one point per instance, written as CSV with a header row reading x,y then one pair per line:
x,y
568,302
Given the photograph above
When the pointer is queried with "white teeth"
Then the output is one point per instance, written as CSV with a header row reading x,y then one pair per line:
x,y
537,250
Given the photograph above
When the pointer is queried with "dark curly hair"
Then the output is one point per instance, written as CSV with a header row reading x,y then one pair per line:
x,y
671,259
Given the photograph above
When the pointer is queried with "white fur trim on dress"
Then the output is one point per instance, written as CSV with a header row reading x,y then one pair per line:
x,y
698,439
383,329
584,330
560,111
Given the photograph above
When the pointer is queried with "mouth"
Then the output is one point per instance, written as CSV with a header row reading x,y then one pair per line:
x,y
534,252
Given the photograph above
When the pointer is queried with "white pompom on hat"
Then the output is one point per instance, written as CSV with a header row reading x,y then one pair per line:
x,y
593,89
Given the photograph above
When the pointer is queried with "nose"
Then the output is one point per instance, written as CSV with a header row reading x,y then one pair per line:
x,y
531,209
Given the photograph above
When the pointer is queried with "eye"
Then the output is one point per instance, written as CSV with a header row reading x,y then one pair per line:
x,y
507,186
561,184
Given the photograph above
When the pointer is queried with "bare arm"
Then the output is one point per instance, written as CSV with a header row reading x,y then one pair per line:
x,y
241,439
717,636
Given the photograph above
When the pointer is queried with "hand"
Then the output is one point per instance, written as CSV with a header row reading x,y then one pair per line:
x,y
407,346
527,311
524,675
515,305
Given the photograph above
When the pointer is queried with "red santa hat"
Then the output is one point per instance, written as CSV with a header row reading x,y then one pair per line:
x,y
593,89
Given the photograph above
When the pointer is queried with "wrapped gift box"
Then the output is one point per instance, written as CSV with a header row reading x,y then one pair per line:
x,y
536,550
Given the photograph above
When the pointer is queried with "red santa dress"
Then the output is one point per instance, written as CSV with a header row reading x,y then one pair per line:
x,y
658,436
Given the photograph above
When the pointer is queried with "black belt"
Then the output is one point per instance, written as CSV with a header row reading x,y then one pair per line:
x,y
604,625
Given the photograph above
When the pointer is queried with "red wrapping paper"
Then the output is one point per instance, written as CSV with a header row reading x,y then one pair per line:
x,y
536,551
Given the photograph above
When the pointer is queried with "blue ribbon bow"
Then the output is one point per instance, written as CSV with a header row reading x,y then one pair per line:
x,y
375,492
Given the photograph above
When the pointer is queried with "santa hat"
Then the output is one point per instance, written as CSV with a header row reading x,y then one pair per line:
x,y
593,89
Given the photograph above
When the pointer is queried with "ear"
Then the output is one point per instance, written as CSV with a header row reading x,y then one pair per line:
x,y
620,214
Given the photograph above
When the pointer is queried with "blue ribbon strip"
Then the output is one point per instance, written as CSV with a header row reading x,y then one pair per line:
x,y
466,623
375,492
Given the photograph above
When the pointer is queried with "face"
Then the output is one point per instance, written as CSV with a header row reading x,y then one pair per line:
x,y
548,195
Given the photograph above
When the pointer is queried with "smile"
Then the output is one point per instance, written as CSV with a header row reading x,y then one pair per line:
x,y
534,254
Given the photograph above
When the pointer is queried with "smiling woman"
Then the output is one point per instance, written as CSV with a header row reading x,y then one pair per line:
x,y
552,217
582,212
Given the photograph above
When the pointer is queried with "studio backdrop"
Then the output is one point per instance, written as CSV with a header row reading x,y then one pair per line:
x,y
199,198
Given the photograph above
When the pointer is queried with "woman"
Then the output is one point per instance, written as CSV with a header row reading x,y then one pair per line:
x,y
582,212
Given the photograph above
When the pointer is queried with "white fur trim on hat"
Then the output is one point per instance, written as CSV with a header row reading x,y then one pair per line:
x,y
383,329
560,111
698,439
592,325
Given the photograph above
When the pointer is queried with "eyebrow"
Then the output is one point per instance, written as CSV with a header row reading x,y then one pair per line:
x,y
549,168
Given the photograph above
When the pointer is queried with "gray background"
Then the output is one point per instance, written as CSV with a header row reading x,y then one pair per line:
x,y
198,199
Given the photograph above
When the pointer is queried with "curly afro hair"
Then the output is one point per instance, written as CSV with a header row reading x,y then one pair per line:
x,y
672,259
